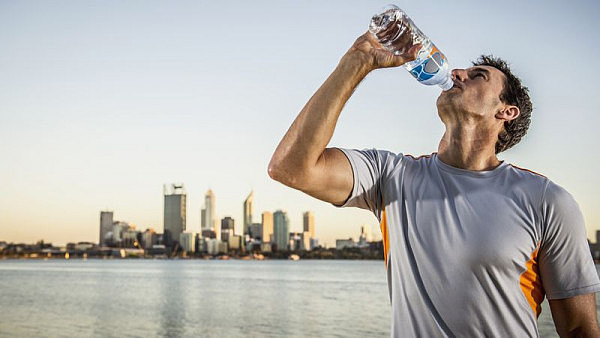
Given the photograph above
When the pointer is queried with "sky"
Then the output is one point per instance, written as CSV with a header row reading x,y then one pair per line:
x,y
103,102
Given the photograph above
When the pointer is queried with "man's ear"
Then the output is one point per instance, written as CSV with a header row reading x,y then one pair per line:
x,y
508,113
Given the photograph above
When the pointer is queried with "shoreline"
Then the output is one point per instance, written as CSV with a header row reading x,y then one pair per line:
x,y
116,253
179,259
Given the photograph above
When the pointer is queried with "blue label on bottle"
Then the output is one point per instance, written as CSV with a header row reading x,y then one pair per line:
x,y
420,71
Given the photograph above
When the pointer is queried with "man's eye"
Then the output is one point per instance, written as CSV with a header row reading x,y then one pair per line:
x,y
479,75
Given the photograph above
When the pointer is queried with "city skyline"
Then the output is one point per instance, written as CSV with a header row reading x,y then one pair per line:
x,y
272,230
101,103
175,216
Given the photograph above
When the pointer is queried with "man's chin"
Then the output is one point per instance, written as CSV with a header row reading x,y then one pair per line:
x,y
445,100
447,104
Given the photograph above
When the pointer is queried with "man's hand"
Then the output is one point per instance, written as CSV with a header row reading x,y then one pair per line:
x,y
373,55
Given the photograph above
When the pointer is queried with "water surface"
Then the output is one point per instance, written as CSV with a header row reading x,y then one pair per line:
x,y
190,298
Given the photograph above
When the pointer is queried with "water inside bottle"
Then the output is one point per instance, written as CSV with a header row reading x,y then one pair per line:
x,y
395,30
397,33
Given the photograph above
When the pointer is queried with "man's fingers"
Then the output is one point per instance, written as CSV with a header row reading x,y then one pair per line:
x,y
410,55
381,57
414,50
370,37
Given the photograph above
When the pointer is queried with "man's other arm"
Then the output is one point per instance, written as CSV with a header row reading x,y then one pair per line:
x,y
301,160
575,316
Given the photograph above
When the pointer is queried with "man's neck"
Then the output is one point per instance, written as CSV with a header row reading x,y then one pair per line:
x,y
468,147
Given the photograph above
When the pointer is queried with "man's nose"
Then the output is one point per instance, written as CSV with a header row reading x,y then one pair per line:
x,y
459,74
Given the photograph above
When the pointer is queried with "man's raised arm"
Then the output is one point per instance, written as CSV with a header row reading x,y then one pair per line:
x,y
301,160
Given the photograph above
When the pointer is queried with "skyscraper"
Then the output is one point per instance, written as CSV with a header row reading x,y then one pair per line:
x,y
174,213
148,238
209,220
281,229
227,228
366,232
188,241
248,212
106,222
267,226
308,219
255,231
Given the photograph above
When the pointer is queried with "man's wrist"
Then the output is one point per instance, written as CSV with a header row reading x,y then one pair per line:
x,y
356,63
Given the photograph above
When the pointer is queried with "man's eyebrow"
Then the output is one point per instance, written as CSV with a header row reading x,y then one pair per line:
x,y
479,69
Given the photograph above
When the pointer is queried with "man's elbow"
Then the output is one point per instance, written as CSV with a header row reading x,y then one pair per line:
x,y
582,331
282,174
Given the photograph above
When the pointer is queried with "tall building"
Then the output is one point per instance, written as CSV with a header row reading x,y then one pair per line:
x,y
281,229
314,243
305,241
201,243
212,246
106,223
235,243
117,230
188,241
344,243
148,238
300,241
255,231
308,219
267,226
209,219
174,213
227,228
129,237
248,212
122,235
295,241
366,232
208,233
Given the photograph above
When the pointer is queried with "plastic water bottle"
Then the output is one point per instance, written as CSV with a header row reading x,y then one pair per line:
x,y
397,33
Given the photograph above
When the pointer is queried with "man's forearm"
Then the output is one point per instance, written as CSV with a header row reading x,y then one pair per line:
x,y
301,160
312,130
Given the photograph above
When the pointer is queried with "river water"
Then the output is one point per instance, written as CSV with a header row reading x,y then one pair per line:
x,y
190,298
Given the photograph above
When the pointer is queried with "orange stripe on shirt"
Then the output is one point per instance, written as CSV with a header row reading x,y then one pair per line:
x,y
418,157
384,234
525,169
531,284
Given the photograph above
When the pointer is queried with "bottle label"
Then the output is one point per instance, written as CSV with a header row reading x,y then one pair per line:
x,y
430,66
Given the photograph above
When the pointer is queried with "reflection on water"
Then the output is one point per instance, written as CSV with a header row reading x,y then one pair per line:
x,y
198,298
172,304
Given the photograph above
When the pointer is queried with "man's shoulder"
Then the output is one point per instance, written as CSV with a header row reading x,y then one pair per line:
x,y
378,157
527,177
396,160
551,192
527,173
384,163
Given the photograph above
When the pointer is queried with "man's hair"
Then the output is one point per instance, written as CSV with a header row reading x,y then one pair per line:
x,y
513,93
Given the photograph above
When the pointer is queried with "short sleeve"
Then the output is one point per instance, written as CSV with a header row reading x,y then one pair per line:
x,y
371,169
566,265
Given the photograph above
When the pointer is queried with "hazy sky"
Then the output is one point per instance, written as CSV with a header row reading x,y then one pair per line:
x,y
103,102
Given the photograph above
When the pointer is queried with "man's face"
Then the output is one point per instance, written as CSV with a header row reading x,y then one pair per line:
x,y
474,97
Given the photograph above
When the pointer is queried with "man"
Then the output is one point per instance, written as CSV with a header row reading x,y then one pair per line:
x,y
472,244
